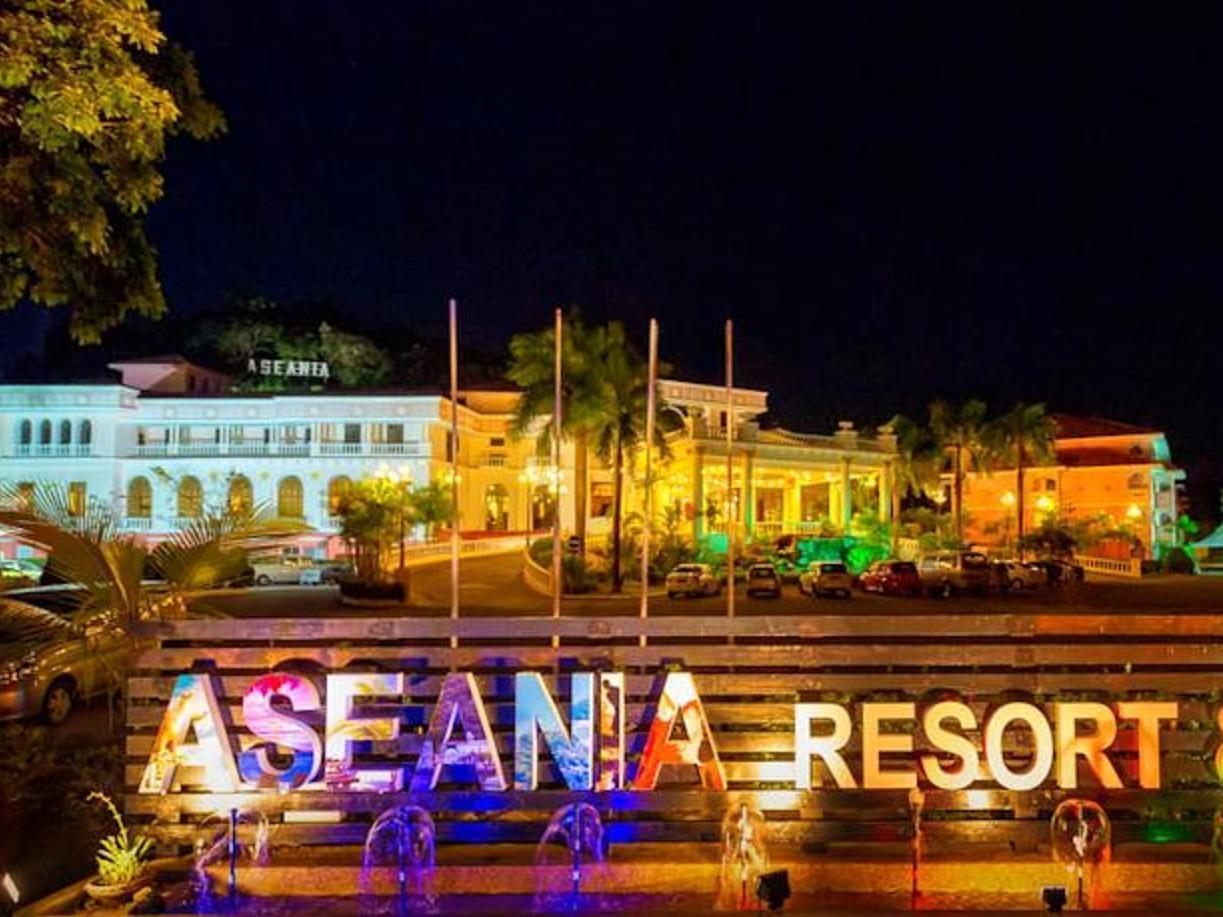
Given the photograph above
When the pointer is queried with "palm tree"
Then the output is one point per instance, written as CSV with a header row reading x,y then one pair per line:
x,y
962,430
917,465
1024,435
532,368
617,415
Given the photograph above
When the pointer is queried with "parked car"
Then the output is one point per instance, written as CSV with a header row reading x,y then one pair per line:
x,y
692,579
48,663
763,579
1024,576
828,578
19,569
1059,572
334,571
289,570
891,577
945,573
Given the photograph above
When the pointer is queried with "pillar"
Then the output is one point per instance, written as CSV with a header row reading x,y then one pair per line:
x,y
698,494
749,493
834,502
847,497
886,483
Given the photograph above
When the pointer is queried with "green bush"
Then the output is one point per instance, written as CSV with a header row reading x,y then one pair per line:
x,y
1178,560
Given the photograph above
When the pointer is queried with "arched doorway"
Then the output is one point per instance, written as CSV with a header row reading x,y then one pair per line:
x,y
241,499
290,503
139,498
496,508
190,498
543,507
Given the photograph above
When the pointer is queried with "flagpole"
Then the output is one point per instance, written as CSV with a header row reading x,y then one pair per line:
x,y
557,571
454,471
648,502
730,470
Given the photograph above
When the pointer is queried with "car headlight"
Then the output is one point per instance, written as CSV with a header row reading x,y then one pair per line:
x,y
19,670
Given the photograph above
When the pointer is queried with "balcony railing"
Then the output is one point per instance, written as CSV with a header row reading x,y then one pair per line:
x,y
258,448
136,524
53,450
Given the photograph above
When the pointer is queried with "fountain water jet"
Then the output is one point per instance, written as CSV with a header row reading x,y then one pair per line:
x,y
403,836
1082,839
579,829
227,841
745,857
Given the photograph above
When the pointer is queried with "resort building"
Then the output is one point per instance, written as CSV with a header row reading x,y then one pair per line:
x,y
1117,477
166,440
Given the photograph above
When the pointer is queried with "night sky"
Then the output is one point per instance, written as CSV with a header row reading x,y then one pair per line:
x,y
894,201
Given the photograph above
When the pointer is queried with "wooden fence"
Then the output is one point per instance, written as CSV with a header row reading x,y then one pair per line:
x,y
750,672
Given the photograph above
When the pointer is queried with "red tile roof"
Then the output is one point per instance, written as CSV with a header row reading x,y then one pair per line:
x,y
1071,427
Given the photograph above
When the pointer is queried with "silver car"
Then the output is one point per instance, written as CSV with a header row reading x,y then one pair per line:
x,y
692,579
47,663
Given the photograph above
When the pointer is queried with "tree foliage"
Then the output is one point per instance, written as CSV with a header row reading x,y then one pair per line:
x,y
90,91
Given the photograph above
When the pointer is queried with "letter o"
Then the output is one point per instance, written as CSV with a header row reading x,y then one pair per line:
x,y
1042,737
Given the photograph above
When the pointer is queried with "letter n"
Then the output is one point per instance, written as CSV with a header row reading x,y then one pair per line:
x,y
535,712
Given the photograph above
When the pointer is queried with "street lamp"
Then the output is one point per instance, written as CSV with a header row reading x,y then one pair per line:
x,y
1008,501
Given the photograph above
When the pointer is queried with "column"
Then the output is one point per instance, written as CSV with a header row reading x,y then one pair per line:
x,y
886,484
834,502
847,498
698,494
749,493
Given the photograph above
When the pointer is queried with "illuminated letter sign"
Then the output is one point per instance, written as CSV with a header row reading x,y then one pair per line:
x,y
1071,745
825,747
680,700
874,743
535,712
343,729
952,742
266,722
192,707
1148,714
1042,740
611,731
459,704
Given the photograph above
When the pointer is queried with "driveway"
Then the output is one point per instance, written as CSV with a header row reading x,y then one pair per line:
x,y
493,586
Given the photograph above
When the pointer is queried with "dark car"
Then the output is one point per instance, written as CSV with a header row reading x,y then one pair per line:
x,y
1059,572
764,580
891,577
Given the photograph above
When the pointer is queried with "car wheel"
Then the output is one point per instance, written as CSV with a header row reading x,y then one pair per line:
x,y
263,580
945,591
57,703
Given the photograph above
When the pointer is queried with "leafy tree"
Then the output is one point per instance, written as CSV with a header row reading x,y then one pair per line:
x,y
532,368
355,361
962,431
618,381
1022,436
89,92
918,462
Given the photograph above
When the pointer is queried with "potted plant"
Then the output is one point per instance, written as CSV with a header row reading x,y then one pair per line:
x,y
121,860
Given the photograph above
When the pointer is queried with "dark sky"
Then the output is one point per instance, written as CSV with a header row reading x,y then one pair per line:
x,y
894,201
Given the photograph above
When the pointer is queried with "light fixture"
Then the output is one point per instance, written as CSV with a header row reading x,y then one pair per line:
x,y
10,888
1008,498
1054,898
1044,503
1133,512
773,888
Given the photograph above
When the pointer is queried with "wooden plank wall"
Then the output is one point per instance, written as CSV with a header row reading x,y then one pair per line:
x,y
749,672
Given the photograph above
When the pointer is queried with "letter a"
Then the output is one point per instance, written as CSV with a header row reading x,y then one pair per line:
x,y
534,712
193,706
458,705
680,700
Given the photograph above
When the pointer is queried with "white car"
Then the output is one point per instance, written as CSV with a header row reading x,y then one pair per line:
x,y
19,569
825,578
692,579
286,571
1024,576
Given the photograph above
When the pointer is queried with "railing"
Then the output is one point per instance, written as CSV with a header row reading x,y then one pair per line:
x,y
54,450
440,550
494,460
260,448
136,524
1129,567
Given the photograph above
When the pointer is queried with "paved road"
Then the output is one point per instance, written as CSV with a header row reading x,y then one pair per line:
x,y
492,586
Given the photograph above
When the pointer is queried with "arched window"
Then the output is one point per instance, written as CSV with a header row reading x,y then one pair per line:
x,y
44,433
241,499
337,490
190,498
25,435
84,433
65,432
496,508
289,502
139,498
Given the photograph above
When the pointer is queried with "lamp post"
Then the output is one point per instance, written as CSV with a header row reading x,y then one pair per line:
x,y
1008,501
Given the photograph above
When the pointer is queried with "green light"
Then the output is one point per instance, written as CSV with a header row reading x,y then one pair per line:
x,y
1166,833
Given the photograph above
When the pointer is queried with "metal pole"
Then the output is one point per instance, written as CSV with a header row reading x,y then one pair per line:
x,y
730,470
454,470
648,502
557,572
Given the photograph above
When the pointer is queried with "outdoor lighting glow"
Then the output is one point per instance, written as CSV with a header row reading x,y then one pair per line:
x,y
1133,512
10,888
1044,503
1008,498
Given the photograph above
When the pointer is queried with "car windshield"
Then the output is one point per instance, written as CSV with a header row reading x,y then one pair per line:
x,y
762,571
974,560
832,568
686,568
904,567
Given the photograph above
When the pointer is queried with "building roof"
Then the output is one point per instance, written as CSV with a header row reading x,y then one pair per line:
x,y
161,359
1071,427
